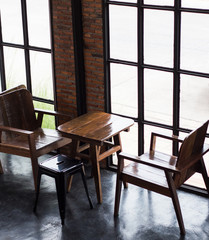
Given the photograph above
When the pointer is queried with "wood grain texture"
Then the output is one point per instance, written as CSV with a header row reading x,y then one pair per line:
x,y
20,131
163,173
95,129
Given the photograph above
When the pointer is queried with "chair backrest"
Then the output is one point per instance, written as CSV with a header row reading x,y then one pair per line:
x,y
190,153
13,89
17,110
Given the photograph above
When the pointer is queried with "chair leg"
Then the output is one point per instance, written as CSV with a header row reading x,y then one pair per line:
x,y
117,196
1,168
38,190
96,172
175,201
86,188
61,195
34,162
117,141
69,183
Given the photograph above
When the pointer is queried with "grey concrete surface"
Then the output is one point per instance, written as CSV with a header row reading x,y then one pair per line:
x,y
143,215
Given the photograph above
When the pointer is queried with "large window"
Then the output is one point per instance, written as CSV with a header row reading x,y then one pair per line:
x,y
25,49
157,55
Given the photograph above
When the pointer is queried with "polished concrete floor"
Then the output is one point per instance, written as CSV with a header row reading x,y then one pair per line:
x,y
143,215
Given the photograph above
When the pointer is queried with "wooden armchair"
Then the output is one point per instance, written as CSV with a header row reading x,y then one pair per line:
x,y
163,173
20,130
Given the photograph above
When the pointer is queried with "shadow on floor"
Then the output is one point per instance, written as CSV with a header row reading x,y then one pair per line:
x,y
143,215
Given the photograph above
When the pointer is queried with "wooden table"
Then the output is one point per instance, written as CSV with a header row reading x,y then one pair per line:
x,y
95,129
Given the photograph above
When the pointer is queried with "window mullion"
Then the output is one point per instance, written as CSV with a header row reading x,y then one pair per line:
x,y
176,78
53,54
106,29
3,78
140,77
26,44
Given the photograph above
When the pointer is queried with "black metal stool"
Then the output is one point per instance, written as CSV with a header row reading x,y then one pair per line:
x,y
59,167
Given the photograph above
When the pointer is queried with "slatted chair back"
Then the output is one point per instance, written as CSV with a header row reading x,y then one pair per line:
x,y
190,153
20,130
17,110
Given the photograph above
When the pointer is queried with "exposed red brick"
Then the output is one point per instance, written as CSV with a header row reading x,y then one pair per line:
x,y
64,55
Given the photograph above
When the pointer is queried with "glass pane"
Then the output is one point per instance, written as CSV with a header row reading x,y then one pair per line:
x,y
160,2
14,66
123,33
38,23
130,140
162,145
124,89
11,21
204,4
158,37
158,96
48,121
41,75
194,101
195,42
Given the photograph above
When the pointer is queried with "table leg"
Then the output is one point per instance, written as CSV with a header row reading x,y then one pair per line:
x,y
74,148
117,141
94,153
1,168
73,152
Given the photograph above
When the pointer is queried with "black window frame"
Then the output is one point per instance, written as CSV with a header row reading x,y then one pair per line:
x,y
177,9
27,48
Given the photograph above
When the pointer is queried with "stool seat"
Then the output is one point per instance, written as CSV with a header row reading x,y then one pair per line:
x,y
60,167
61,163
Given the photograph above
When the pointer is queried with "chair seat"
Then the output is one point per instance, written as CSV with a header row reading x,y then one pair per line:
x,y
145,173
162,173
148,173
61,163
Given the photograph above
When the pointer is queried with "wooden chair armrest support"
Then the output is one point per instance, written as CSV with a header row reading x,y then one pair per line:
x,y
15,130
41,113
153,163
28,134
154,135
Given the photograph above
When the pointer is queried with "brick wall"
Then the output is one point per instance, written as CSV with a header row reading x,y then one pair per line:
x,y
93,53
64,55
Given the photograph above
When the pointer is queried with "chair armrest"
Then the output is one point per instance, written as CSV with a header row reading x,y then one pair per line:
x,y
154,135
153,163
41,113
168,136
15,130
53,113
15,144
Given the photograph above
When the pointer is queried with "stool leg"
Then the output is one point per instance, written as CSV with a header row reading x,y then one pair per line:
x,y
61,195
38,189
86,189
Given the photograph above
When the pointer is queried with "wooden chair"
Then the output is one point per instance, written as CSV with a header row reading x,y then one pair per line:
x,y
163,173
20,130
